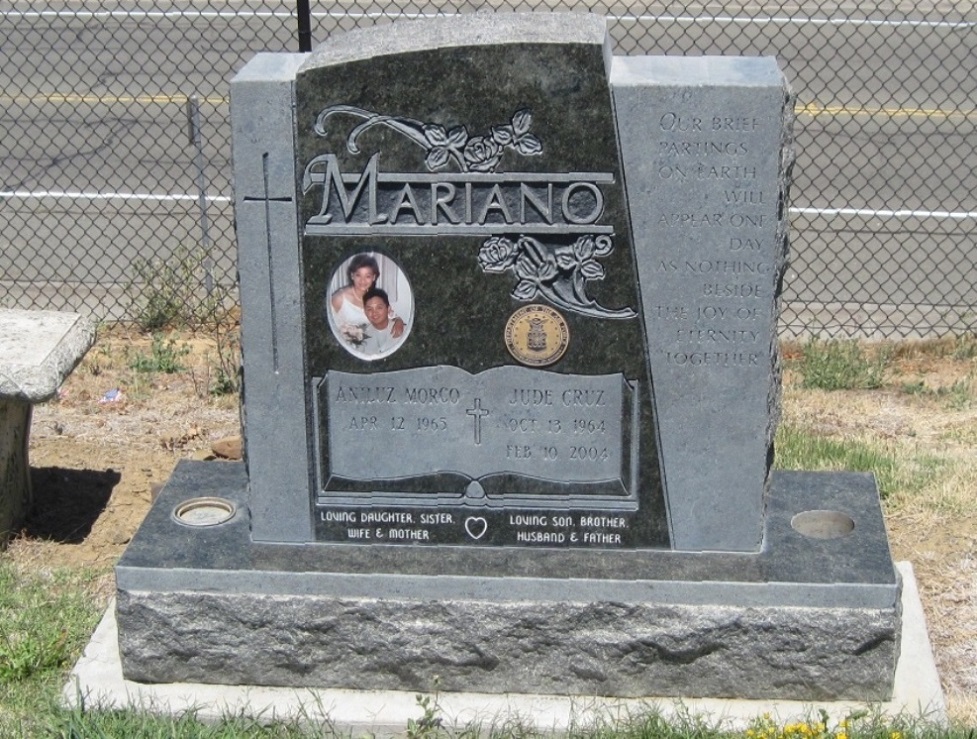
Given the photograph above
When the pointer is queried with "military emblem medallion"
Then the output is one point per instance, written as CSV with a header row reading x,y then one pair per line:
x,y
537,335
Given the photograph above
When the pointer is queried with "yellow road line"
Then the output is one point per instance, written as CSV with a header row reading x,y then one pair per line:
x,y
810,109
814,109
109,99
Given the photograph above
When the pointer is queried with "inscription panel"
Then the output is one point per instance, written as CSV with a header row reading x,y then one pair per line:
x,y
723,270
529,528
507,422
707,191
510,456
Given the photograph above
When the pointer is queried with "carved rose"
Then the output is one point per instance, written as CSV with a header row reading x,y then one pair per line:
x,y
557,272
566,258
592,270
517,135
442,145
584,248
497,255
605,245
482,154
535,262
525,290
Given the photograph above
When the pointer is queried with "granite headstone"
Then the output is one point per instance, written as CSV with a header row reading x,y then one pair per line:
x,y
509,314
515,399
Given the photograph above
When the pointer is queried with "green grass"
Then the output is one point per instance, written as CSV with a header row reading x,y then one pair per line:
x,y
840,365
647,723
164,356
45,621
964,347
957,396
798,449
98,722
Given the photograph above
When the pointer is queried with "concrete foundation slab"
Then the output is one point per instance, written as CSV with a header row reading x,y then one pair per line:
x,y
98,679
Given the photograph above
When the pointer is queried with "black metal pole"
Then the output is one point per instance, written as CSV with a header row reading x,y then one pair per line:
x,y
305,25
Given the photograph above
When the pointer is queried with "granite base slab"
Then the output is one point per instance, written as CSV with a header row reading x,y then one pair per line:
x,y
805,619
97,680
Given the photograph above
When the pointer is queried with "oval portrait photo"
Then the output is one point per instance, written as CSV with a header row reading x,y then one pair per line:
x,y
370,305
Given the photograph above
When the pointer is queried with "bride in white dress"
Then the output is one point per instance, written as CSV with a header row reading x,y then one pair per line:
x,y
347,302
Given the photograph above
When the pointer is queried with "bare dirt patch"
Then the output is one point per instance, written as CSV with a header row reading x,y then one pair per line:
x,y
95,461
114,432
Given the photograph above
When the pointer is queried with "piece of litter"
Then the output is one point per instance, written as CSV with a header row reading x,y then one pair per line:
x,y
115,395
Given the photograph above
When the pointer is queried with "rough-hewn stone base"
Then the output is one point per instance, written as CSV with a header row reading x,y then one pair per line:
x,y
620,649
806,619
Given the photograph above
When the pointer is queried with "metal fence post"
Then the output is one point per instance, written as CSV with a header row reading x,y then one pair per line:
x,y
193,132
305,25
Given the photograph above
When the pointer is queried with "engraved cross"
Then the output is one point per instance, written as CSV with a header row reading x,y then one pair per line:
x,y
476,412
271,237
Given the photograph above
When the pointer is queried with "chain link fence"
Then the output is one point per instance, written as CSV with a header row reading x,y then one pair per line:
x,y
116,198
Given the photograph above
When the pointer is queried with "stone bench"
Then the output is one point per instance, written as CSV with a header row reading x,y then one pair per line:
x,y
38,350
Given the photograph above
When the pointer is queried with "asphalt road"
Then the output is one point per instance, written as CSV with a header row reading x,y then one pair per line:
x,y
94,105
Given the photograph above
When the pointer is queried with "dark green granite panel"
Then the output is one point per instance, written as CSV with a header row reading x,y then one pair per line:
x,y
461,311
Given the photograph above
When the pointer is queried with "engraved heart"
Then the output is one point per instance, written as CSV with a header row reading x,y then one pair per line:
x,y
476,526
